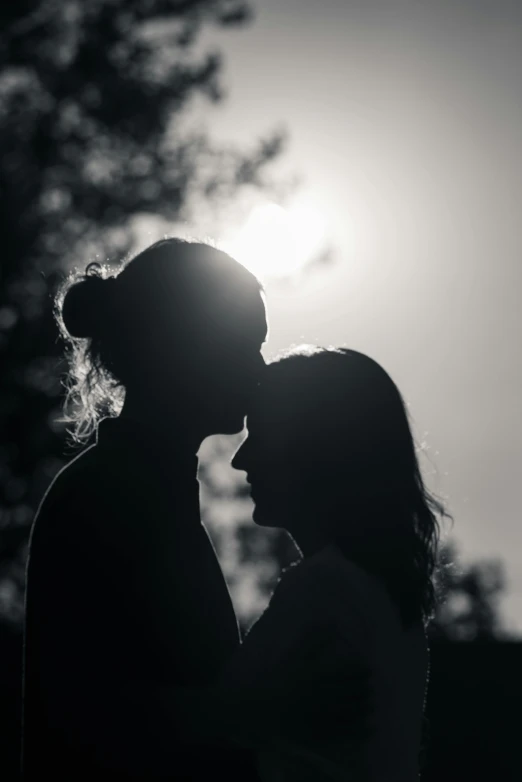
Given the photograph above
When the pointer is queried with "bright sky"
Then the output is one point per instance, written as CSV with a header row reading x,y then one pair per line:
x,y
405,120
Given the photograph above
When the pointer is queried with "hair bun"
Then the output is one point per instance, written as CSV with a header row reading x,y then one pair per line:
x,y
84,306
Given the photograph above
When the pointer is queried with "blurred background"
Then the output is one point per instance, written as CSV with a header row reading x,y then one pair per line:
x,y
361,157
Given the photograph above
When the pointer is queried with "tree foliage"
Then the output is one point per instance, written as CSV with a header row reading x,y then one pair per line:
x,y
93,97
470,595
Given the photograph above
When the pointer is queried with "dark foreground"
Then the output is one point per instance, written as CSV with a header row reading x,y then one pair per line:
x,y
474,704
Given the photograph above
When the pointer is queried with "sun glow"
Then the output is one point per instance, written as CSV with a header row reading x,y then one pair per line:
x,y
278,242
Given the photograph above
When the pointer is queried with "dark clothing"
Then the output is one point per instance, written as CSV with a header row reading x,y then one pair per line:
x,y
124,591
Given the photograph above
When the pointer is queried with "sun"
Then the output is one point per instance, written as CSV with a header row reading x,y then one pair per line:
x,y
276,241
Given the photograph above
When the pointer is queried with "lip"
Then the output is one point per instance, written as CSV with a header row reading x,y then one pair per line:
x,y
257,490
252,494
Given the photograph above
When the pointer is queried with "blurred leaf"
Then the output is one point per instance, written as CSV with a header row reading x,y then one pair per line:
x,y
470,596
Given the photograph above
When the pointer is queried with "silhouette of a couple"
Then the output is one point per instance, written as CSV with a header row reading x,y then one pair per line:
x,y
133,664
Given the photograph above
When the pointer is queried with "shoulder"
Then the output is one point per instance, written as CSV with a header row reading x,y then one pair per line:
x,y
85,500
312,582
326,570
78,483
330,585
321,597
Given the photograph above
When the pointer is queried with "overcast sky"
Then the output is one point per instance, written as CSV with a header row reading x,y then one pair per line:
x,y
405,119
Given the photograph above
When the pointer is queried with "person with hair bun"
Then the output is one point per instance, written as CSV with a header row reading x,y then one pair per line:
x,y
128,617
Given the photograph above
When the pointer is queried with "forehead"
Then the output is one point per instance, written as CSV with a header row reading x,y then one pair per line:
x,y
242,322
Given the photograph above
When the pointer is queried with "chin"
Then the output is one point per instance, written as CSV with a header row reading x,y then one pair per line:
x,y
262,519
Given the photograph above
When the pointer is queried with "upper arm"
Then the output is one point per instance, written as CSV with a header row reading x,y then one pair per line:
x,y
90,610
69,575
104,576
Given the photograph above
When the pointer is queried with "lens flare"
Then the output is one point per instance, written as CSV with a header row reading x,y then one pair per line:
x,y
278,242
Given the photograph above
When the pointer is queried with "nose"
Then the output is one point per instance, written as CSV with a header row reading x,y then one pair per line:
x,y
240,458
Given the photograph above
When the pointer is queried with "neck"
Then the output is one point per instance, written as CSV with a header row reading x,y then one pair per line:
x,y
183,425
310,541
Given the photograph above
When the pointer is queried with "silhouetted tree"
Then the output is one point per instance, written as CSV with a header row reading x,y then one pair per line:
x,y
92,97
469,609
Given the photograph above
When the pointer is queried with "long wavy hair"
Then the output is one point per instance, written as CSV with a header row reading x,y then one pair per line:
x,y
113,320
351,438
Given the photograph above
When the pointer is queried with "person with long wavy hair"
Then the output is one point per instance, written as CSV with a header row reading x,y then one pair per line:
x,y
330,457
